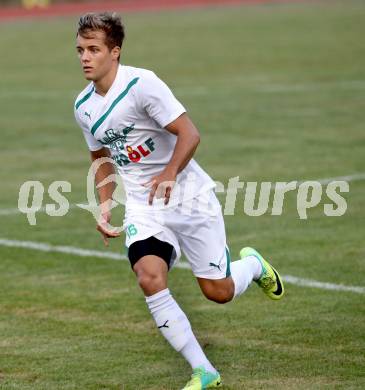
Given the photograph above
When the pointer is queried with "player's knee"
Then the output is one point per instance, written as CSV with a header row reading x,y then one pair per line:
x,y
219,291
219,295
151,282
220,298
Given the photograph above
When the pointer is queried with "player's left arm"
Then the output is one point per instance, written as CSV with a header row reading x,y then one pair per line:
x,y
188,139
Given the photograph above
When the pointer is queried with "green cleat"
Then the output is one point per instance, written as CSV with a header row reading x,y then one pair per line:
x,y
202,379
270,280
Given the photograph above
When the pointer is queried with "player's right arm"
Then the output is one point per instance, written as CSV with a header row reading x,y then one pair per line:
x,y
105,192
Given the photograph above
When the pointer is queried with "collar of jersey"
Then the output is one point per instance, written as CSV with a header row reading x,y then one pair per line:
x,y
134,81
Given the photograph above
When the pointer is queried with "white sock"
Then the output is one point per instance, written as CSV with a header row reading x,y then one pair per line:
x,y
243,272
175,327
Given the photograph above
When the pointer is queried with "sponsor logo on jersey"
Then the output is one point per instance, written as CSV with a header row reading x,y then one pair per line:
x,y
116,139
125,154
136,154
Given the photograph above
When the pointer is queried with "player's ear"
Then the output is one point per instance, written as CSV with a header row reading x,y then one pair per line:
x,y
116,52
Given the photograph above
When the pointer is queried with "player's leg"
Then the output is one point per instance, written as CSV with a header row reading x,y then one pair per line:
x,y
152,271
251,267
231,280
203,241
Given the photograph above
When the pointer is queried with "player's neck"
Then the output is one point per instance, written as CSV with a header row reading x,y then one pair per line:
x,y
103,85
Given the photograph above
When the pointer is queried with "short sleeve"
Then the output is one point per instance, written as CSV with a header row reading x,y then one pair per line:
x,y
92,143
158,100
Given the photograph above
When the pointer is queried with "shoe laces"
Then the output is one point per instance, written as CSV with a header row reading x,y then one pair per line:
x,y
267,282
197,373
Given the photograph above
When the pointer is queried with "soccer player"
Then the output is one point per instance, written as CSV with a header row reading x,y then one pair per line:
x,y
130,115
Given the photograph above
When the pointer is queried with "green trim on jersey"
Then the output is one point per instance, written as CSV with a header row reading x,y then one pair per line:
x,y
228,255
83,100
116,101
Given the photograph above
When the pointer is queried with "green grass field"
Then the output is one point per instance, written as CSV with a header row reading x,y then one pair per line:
x,y
278,93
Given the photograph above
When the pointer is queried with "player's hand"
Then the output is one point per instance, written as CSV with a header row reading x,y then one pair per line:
x,y
104,229
162,186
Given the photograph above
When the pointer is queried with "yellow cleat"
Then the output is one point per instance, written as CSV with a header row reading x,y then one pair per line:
x,y
202,379
270,280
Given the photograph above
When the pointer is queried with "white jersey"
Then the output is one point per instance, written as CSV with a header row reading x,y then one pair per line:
x,y
130,120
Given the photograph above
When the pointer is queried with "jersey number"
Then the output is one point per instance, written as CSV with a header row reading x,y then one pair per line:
x,y
131,231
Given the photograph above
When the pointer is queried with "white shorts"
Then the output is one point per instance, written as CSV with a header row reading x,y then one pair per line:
x,y
195,228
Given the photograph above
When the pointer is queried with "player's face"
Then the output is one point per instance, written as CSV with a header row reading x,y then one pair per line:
x,y
96,58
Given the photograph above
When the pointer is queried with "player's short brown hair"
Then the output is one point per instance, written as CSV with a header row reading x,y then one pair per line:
x,y
110,23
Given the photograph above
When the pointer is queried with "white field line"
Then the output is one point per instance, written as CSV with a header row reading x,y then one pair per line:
x,y
10,211
14,211
70,250
348,178
324,286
